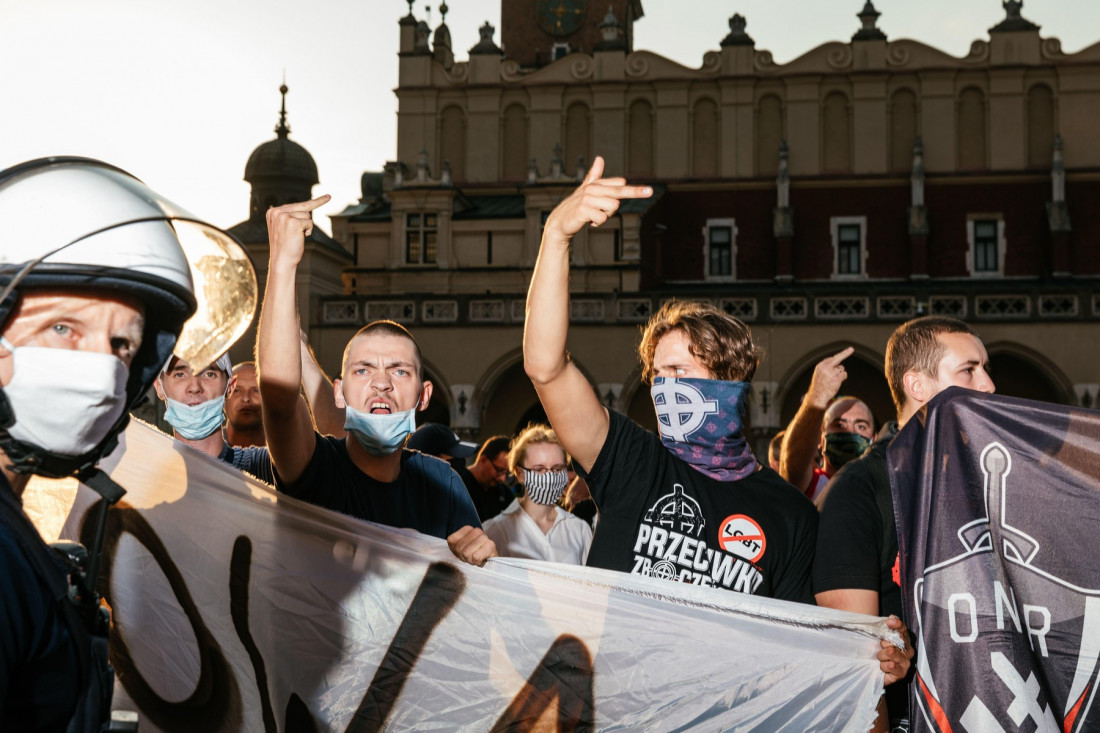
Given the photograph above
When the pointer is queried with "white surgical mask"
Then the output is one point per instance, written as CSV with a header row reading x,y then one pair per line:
x,y
380,435
194,422
65,401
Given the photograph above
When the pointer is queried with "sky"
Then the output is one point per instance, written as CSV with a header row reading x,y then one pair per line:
x,y
179,92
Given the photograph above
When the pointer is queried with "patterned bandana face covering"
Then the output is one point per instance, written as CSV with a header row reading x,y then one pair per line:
x,y
545,488
700,421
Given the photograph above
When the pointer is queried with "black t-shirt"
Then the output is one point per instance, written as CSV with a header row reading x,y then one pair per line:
x,y
489,502
427,496
39,670
662,518
857,548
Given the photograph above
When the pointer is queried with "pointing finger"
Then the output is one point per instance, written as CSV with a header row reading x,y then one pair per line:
x,y
622,192
308,205
595,171
842,355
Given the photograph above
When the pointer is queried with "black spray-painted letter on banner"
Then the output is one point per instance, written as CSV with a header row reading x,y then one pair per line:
x,y
998,514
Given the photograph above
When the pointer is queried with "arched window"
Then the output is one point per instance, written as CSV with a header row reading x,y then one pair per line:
x,y
513,137
576,137
639,162
1040,126
971,125
836,135
704,139
769,135
903,130
452,142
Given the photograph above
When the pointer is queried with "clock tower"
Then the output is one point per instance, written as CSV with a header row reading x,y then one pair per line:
x,y
538,32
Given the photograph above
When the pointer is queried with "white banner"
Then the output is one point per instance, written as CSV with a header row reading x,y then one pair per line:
x,y
236,609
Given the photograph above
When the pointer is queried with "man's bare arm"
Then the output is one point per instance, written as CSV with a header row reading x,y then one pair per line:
x,y
571,404
327,417
287,421
800,443
893,662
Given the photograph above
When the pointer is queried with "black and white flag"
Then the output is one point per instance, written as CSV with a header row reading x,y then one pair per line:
x,y
997,502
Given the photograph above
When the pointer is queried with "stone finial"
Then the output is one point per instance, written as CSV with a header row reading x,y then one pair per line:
x,y
409,19
557,167
916,178
441,42
918,213
1013,21
445,175
737,35
533,171
581,169
423,33
486,45
611,31
1058,172
870,31
422,170
783,178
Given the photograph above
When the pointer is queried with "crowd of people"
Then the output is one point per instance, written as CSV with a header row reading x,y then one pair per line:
x,y
812,524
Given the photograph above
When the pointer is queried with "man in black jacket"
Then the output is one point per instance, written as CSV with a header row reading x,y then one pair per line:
x,y
91,305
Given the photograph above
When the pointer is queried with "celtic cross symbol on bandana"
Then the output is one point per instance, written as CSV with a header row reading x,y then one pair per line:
x,y
681,408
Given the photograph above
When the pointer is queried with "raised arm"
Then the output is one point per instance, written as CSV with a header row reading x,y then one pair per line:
x,y
803,436
287,422
328,418
574,409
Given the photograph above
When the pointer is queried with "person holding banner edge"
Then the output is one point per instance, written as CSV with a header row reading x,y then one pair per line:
x,y
368,474
856,564
764,539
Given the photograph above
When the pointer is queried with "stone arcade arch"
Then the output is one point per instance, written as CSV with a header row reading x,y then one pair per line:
x,y
439,406
866,380
1019,371
507,399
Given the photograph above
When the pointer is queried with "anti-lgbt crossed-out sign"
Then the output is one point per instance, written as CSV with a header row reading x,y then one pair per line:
x,y
998,509
238,609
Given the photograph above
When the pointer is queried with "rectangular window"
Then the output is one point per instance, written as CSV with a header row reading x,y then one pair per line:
x,y
720,250
421,239
721,242
985,246
848,249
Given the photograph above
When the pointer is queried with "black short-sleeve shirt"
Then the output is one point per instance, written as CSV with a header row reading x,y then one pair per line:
x,y
427,496
857,543
660,517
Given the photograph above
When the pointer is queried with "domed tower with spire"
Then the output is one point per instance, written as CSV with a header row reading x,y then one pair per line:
x,y
281,171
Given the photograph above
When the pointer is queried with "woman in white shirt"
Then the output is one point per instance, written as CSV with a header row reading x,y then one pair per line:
x,y
534,526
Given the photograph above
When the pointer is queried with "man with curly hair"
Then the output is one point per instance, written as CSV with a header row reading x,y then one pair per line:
x,y
692,504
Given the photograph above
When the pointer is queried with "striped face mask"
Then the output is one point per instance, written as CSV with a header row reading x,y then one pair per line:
x,y
545,488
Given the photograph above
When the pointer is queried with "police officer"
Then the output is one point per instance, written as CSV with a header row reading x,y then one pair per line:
x,y
95,290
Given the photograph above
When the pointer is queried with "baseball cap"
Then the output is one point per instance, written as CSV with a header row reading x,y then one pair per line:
x,y
435,439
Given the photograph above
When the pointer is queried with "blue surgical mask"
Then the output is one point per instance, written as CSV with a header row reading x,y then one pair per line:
x,y
194,422
380,435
